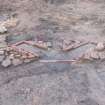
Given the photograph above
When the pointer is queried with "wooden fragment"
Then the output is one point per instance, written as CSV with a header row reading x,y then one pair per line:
x,y
57,61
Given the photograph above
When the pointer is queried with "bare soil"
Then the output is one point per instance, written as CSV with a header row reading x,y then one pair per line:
x,y
55,83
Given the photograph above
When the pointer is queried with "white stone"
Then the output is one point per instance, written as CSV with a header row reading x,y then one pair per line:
x,y
100,46
6,62
40,42
3,29
49,44
1,52
16,62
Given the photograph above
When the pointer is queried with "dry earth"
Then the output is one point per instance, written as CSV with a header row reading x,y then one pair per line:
x,y
55,84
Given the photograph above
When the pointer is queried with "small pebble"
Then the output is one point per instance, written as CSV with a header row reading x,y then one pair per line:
x,y
100,46
3,29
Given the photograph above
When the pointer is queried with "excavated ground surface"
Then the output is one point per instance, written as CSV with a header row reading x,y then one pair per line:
x,y
55,83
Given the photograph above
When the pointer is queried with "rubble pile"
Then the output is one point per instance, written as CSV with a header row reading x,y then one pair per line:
x,y
69,45
96,53
38,44
12,22
14,56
